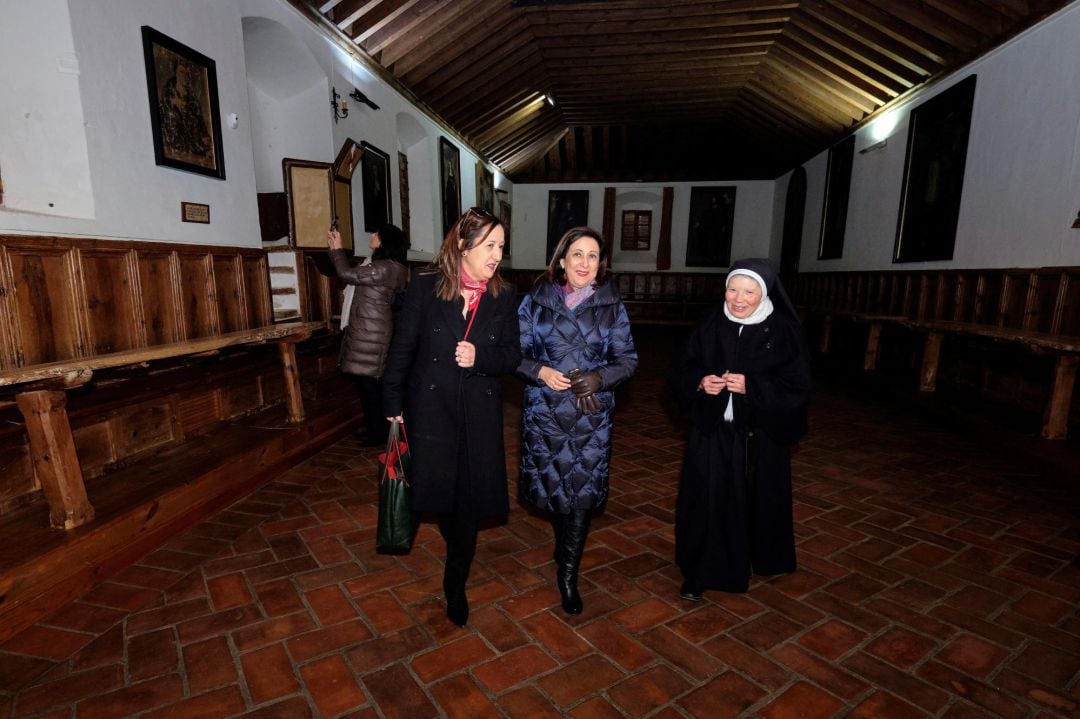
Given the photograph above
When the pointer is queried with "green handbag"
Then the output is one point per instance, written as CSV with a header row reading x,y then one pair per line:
x,y
397,520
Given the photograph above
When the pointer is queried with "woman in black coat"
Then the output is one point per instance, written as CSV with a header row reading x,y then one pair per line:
x,y
743,378
456,334
572,320
368,318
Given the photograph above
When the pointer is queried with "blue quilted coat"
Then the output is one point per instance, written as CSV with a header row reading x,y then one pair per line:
x,y
564,453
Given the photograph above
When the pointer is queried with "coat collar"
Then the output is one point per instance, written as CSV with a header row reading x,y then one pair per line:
x,y
452,315
547,294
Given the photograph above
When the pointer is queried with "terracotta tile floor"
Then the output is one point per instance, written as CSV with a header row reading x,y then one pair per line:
x,y
937,579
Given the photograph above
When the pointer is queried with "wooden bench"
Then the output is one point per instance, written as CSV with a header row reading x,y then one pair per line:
x,y
1066,349
1037,309
40,394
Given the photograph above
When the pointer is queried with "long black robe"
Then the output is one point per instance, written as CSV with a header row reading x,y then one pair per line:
x,y
729,521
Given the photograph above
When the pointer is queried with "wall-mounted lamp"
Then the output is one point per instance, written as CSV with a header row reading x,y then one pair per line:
x,y
876,146
361,97
341,110
550,99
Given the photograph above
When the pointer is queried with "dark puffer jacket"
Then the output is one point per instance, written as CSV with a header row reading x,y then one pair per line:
x,y
565,454
371,319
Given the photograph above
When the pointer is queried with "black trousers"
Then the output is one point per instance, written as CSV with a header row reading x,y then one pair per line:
x,y
370,390
460,527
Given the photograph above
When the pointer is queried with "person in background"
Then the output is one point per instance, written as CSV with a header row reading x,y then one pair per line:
x,y
367,318
743,377
576,348
456,335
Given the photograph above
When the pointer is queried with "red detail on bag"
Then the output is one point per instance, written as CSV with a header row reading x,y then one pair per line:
x,y
393,460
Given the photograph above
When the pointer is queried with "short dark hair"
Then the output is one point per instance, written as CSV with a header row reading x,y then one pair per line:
x,y
555,271
392,244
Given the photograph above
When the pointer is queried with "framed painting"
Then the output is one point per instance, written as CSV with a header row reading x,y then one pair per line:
x,y
504,216
309,192
450,183
348,159
712,217
375,180
835,205
934,175
566,209
485,188
184,115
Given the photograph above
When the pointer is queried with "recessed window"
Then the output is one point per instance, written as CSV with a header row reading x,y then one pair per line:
x,y
636,230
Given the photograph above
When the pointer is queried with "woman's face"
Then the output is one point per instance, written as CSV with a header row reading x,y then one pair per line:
x,y
743,296
481,261
581,262
374,243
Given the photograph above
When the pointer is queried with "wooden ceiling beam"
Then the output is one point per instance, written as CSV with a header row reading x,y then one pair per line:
x,y
673,26
526,134
822,57
926,60
987,22
512,104
704,63
375,21
590,87
651,12
808,29
838,89
515,162
812,122
352,11
327,6
913,35
760,110
660,50
814,65
511,123
442,28
825,108
423,62
719,37
511,84
402,25
465,71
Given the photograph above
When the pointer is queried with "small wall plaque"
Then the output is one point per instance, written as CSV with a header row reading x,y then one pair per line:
x,y
195,212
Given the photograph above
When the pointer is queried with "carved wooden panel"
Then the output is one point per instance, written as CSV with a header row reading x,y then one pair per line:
x,y
240,398
45,321
142,428
94,445
109,296
231,302
159,294
198,413
257,287
197,296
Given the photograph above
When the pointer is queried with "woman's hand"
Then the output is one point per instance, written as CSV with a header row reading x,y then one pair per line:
x,y
713,384
735,382
333,239
554,379
465,354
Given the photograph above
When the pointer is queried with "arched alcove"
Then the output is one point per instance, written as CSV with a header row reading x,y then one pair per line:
x,y
414,142
287,95
637,199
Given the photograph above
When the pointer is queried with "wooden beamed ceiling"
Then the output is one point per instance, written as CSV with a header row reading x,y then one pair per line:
x,y
685,89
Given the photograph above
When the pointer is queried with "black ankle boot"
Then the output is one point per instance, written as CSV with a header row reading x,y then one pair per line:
x,y
459,531
575,530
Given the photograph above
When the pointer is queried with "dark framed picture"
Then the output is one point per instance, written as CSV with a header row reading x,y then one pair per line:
x,y
504,216
485,188
184,113
375,181
566,209
712,217
835,206
348,159
934,175
450,182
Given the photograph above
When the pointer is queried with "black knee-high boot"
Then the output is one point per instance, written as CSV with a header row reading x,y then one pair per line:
x,y
459,530
575,530
558,523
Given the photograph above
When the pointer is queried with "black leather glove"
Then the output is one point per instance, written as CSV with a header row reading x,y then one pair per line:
x,y
585,385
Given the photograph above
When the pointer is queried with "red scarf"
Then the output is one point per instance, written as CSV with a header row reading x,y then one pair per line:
x,y
478,288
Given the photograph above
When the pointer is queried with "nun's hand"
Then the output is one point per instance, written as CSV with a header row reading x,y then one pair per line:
x,y
712,384
735,382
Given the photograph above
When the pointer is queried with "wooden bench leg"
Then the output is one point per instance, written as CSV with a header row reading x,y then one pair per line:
x,y
55,462
873,342
1056,425
931,353
826,330
292,381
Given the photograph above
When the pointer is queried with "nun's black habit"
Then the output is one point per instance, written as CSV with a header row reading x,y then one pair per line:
x,y
734,513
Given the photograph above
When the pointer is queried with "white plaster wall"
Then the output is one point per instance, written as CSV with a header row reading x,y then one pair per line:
x,y
41,118
1022,178
133,197
752,235
287,128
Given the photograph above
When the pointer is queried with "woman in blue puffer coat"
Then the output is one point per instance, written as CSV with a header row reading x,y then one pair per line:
x,y
576,349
